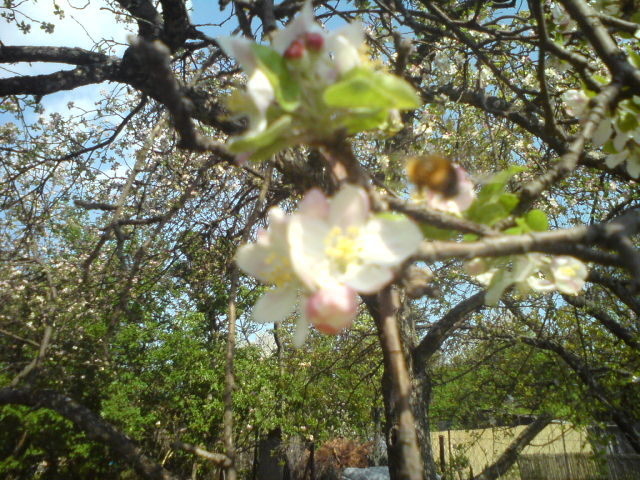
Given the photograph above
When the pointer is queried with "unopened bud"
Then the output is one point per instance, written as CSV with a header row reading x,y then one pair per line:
x,y
295,50
332,309
314,41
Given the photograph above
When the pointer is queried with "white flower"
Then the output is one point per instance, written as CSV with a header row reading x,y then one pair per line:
x,y
569,274
533,271
259,87
268,260
345,43
575,102
339,242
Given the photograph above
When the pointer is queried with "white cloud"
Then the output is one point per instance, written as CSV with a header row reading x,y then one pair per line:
x,y
84,23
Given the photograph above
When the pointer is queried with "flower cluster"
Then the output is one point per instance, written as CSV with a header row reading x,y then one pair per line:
x,y
329,250
533,271
619,134
308,85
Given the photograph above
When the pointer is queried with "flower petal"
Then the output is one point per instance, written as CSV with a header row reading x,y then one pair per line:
x,y
253,258
499,283
275,305
332,309
345,44
241,50
540,284
633,166
603,132
301,332
367,278
307,250
349,208
314,203
261,92
389,240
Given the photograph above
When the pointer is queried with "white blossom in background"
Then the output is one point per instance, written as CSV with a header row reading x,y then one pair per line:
x,y
533,271
618,134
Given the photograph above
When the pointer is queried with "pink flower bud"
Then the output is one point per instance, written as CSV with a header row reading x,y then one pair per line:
x,y
295,50
314,41
332,309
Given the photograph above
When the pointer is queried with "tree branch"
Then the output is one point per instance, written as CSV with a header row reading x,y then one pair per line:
x,y
441,330
75,56
92,425
502,465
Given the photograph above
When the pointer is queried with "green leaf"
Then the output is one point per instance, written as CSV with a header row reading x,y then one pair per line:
x,y
394,216
264,139
509,201
628,121
362,121
363,88
634,58
267,152
470,237
514,230
286,89
435,233
609,148
537,220
486,213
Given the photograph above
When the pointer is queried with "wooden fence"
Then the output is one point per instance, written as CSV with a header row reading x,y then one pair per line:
x,y
579,466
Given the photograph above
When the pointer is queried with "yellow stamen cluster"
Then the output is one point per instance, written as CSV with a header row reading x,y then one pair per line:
x,y
281,272
343,247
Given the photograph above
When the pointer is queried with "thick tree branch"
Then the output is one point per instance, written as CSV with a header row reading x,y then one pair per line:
x,y
62,80
556,242
148,18
502,465
90,423
441,330
74,56
384,310
177,27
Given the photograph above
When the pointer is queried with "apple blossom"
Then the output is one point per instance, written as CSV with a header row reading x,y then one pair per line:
x,y
310,84
532,271
268,260
339,241
329,250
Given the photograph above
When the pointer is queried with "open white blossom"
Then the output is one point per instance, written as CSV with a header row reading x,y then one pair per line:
x,y
327,252
533,271
339,241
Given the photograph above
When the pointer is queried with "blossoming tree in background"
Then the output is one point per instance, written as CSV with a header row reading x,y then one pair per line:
x,y
449,176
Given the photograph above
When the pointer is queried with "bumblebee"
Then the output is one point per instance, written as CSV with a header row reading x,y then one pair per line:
x,y
434,172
